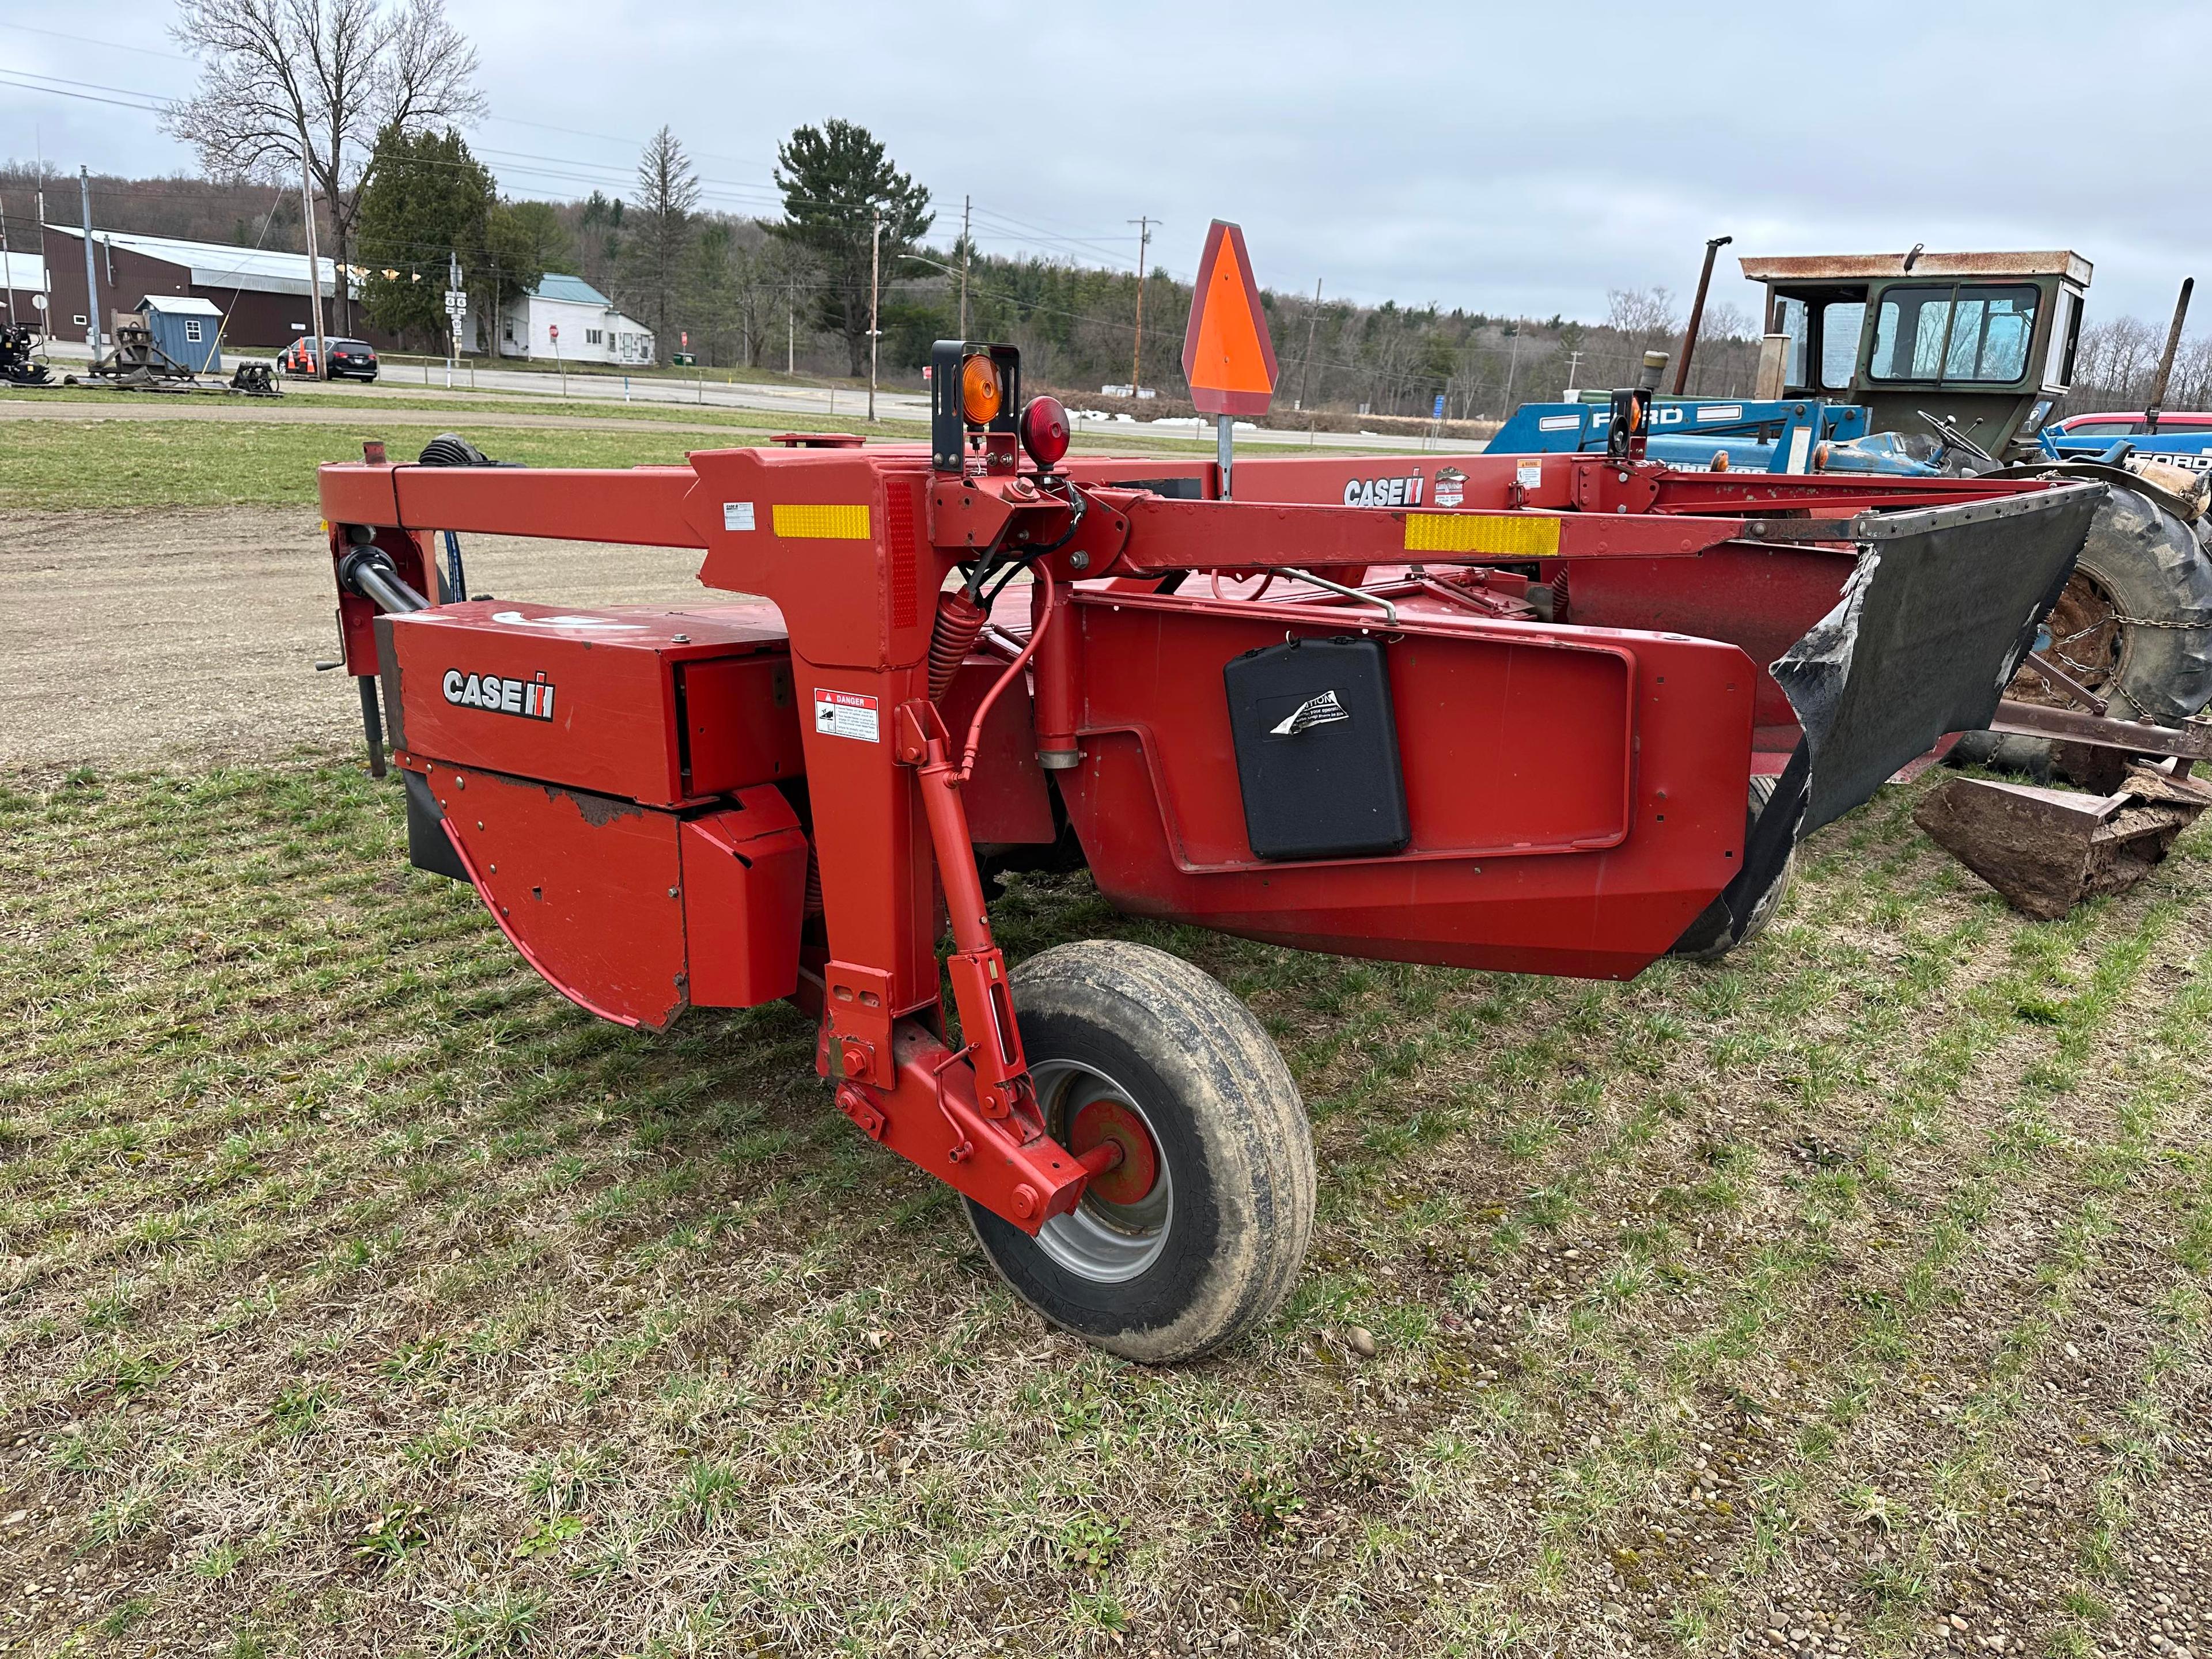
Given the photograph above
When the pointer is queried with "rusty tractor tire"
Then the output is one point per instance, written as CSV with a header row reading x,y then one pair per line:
x,y
2135,624
1198,1236
1706,939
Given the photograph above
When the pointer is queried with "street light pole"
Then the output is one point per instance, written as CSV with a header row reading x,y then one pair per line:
x,y
875,296
91,271
967,207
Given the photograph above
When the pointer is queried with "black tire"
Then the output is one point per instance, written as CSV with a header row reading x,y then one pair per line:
x,y
2139,561
1209,1251
1706,939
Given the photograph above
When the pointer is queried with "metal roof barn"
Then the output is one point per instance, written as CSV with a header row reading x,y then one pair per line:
x,y
263,294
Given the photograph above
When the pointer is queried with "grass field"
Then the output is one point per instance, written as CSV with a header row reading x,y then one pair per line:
x,y
362,1296
54,465
487,406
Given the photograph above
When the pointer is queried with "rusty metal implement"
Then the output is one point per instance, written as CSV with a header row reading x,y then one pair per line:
x,y
2045,850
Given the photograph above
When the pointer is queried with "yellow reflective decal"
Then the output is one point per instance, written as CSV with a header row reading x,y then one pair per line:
x,y
1517,537
835,523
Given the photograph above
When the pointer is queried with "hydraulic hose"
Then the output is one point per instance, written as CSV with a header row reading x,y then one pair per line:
x,y
1013,670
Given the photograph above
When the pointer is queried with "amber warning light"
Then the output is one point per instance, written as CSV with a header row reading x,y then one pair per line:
x,y
980,395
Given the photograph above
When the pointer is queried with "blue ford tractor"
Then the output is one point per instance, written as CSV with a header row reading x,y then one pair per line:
x,y
1951,363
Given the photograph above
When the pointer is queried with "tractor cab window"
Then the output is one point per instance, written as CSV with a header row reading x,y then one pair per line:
x,y
1793,318
1842,322
1965,333
1823,334
2065,339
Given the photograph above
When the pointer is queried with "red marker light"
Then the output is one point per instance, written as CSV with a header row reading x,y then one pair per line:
x,y
1044,431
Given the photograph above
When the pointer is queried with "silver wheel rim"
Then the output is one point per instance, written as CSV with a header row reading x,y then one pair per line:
x,y
1103,1243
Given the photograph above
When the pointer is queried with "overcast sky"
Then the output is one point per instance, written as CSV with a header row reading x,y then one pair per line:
x,y
1517,159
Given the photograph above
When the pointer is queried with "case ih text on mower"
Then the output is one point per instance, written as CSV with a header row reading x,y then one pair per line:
x,y
1343,728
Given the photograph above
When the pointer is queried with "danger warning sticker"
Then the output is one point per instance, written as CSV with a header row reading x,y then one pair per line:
x,y
847,714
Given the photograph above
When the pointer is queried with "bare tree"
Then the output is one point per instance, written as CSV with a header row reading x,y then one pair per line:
x,y
1647,320
280,79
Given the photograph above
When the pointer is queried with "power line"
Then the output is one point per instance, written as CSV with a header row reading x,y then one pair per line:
x,y
88,40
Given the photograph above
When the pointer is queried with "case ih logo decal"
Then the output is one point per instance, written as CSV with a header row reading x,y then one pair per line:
x,y
1383,492
531,699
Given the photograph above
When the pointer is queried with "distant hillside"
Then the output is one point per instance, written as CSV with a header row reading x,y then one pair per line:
x,y
1077,326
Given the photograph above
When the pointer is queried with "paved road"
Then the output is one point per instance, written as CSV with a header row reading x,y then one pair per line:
x,y
119,406
808,408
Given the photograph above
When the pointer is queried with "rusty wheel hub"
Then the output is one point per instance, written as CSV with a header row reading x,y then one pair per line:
x,y
2083,635
1132,1174
1121,1227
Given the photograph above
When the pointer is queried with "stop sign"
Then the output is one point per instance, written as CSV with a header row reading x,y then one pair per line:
x,y
553,328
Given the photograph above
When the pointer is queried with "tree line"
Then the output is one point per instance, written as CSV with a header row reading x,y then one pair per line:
x,y
369,98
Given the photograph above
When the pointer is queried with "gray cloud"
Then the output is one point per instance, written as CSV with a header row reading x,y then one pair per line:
x,y
1511,159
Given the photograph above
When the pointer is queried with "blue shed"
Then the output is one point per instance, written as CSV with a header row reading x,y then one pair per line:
x,y
187,329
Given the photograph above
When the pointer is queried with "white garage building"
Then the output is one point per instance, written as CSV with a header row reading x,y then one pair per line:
x,y
592,330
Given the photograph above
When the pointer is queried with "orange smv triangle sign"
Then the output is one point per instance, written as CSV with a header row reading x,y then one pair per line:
x,y
1227,357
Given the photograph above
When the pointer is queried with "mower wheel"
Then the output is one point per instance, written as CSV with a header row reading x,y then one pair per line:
x,y
1707,938
1196,1233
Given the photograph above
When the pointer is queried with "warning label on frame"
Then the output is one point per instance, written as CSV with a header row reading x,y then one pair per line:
x,y
847,714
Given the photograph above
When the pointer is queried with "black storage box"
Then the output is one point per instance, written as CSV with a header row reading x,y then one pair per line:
x,y
1318,749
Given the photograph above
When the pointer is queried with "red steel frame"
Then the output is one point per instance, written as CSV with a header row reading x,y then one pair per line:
x,y
1577,792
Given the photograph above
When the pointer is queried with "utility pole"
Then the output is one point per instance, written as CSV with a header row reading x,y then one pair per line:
x,y
1574,362
875,293
314,263
47,286
91,271
7,269
791,326
1512,362
967,207
1137,363
1312,322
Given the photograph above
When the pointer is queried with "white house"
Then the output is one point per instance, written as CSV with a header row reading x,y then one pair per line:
x,y
592,330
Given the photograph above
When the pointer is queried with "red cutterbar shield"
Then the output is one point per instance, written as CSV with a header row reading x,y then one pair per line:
x,y
1227,357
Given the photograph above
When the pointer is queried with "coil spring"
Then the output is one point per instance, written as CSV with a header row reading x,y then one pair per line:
x,y
813,881
959,620
1559,594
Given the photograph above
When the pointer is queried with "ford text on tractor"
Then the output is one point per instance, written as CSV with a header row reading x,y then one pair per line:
x,y
1340,728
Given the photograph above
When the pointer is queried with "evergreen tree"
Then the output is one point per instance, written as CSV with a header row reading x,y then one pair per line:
x,y
659,233
836,181
426,197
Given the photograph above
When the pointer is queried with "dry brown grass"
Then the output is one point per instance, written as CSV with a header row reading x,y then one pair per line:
x,y
358,1295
